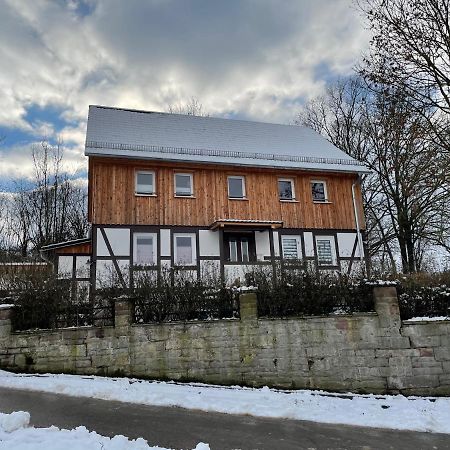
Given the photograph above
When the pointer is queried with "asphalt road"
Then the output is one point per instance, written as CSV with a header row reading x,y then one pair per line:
x,y
182,428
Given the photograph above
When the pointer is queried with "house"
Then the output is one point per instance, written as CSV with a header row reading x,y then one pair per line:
x,y
171,190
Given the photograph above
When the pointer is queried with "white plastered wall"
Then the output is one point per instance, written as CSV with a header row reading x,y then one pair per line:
x,y
119,239
165,242
309,243
106,273
346,241
209,243
235,273
276,243
210,269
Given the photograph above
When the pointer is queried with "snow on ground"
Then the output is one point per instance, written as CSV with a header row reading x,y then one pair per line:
x,y
396,412
16,434
427,319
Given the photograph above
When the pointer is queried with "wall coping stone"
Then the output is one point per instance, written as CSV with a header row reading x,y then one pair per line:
x,y
183,322
324,316
57,330
410,322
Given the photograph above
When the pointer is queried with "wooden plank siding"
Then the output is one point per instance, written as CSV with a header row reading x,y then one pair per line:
x,y
74,249
113,200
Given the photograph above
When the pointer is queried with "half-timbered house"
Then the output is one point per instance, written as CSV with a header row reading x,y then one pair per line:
x,y
171,190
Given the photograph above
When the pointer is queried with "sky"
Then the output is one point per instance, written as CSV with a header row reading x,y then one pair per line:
x,y
247,59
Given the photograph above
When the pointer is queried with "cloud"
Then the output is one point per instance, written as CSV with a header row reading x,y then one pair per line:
x,y
256,59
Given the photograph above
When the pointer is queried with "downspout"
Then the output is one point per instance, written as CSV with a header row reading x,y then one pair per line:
x,y
358,228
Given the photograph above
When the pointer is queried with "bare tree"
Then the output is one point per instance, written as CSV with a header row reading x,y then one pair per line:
x,y
48,209
192,108
406,196
410,49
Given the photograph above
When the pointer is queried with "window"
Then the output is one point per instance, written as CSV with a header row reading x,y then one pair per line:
x,y
286,189
82,267
144,249
145,183
65,266
233,250
236,187
319,191
183,184
184,249
240,247
326,252
244,250
291,246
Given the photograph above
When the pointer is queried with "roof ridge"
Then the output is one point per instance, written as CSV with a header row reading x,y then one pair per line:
x,y
143,111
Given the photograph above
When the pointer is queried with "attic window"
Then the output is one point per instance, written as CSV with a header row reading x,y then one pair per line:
x,y
183,185
286,189
236,187
319,191
145,183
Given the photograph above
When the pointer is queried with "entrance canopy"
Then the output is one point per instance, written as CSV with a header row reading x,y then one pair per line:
x,y
227,223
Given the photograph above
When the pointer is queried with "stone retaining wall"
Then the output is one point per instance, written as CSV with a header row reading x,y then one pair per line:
x,y
370,352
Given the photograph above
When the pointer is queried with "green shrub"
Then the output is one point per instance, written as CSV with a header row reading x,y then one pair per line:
x,y
424,295
299,292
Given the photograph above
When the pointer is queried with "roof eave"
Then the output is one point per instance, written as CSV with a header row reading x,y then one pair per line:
x,y
357,169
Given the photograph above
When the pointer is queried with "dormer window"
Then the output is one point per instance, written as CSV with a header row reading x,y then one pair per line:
x,y
286,189
319,191
183,185
145,183
236,187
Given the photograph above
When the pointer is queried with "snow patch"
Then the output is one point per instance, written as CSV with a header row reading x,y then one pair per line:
x,y
14,421
6,306
383,411
15,434
427,319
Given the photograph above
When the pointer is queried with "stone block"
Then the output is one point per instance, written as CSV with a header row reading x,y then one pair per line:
x,y
390,353
399,342
417,381
248,306
437,370
425,361
442,353
425,341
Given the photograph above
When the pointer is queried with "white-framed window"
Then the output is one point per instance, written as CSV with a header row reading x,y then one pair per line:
x,y
185,251
286,189
319,191
236,187
326,251
183,183
145,182
245,254
233,250
82,266
291,247
65,266
144,249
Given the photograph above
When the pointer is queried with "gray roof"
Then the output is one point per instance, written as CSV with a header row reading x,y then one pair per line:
x,y
178,137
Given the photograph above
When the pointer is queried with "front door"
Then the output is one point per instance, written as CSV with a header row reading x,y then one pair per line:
x,y
240,247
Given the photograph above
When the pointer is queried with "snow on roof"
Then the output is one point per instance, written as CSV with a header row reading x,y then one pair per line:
x,y
66,244
178,137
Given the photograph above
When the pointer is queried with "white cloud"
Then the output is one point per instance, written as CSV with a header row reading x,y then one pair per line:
x,y
255,59
16,162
